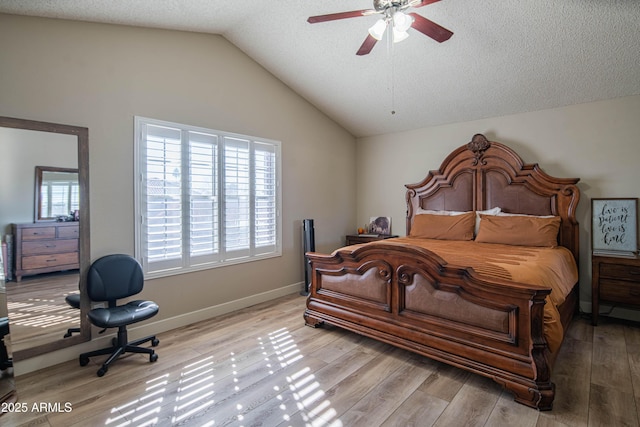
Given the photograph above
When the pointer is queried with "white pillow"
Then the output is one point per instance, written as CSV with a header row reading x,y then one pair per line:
x,y
533,216
432,212
492,211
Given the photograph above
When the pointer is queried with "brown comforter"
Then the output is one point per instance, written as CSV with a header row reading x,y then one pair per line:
x,y
554,268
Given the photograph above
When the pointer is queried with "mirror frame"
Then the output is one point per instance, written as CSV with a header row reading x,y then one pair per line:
x,y
82,134
40,170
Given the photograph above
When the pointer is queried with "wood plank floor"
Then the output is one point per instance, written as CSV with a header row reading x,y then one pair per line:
x,y
262,367
37,309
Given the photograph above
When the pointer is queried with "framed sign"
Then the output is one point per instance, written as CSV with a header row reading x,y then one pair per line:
x,y
614,226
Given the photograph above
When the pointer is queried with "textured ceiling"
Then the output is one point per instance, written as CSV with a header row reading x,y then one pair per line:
x,y
506,56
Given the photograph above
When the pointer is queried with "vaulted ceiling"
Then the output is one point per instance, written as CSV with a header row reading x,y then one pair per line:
x,y
506,56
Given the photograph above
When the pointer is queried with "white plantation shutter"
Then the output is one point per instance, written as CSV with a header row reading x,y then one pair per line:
x,y
74,196
265,198
237,197
59,197
204,198
161,200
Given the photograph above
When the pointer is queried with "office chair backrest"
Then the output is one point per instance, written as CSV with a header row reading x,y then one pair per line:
x,y
113,277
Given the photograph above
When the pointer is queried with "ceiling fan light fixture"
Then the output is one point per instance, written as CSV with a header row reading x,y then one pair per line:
x,y
377,29
394,14
401,21
398,36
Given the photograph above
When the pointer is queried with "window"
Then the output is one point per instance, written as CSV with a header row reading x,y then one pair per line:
x,y
59,197
204,198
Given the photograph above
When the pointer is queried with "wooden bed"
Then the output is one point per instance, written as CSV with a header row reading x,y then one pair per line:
x,y
368,288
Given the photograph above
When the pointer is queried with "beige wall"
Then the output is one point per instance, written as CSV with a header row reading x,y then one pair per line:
x,y
100,76
20,152
596,142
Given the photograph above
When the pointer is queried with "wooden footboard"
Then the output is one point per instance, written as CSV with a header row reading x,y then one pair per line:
x,y
408,297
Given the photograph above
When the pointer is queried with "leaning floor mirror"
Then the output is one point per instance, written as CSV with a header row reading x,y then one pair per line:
x,y
44,225
7,381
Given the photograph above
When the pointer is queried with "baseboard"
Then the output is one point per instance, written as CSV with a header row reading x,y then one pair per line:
x,y
610,310
39,362
210,312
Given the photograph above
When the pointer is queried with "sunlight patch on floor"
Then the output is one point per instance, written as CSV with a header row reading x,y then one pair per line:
x,y
195,390
142,411
40,313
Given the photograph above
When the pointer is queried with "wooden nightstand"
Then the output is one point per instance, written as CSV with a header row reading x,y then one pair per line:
x,y
354,239
615,280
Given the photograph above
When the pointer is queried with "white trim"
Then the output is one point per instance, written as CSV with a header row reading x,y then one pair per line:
x,y
223,256
215,311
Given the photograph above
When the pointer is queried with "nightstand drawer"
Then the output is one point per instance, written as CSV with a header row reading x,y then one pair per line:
x,y
619,291
620,272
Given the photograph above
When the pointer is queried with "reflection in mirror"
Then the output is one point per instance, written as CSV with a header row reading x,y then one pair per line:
x,y
7,382
57,194
49,250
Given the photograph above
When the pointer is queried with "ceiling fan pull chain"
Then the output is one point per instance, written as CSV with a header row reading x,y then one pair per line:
x,y
391,72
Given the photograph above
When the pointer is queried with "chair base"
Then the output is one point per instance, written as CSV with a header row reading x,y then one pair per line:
x,y
71,331
120,346
5,361
73,301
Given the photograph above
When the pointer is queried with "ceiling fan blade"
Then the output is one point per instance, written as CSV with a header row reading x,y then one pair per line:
x,y
340,15
430,28
366,47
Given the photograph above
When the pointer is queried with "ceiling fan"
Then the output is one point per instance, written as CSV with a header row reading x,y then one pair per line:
x,y
394,17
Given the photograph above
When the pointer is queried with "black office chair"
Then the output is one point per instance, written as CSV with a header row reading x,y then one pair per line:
x,y
73,300
111,278
5,361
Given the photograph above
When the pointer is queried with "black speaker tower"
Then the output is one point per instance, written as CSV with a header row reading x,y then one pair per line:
x,y
309,245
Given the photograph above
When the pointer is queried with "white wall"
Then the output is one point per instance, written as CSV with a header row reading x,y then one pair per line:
x,y
100,76
21,151
596,142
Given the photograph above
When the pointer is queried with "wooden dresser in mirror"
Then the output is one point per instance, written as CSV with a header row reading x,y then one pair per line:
x,y
45,247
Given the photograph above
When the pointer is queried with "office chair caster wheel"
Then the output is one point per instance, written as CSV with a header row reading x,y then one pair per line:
x,y
84,361
67,335
102,371
155,342
153,357
114,342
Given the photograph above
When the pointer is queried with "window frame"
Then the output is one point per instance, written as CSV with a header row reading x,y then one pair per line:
x,y
221,257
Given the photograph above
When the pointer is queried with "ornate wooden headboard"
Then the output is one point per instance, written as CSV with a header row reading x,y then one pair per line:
x,y
484,174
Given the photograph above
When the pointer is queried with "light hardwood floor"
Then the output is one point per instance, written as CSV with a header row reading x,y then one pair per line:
x,y
262,367
38,311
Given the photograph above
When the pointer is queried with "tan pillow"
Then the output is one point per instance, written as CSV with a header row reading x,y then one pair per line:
x,y
519,230
444,227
